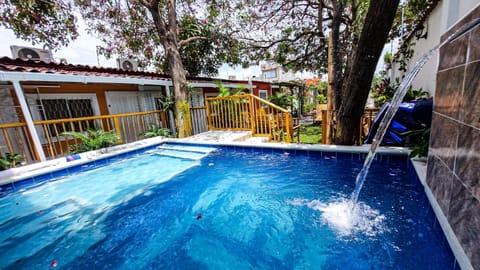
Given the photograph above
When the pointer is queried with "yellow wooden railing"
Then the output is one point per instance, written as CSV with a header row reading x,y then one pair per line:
x,y
15,138
365,122
249,112
129,126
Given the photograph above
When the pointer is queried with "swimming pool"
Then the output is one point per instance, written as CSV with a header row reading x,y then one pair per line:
x,y
232,208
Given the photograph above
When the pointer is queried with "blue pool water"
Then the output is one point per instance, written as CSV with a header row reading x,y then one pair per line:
x,y
236,208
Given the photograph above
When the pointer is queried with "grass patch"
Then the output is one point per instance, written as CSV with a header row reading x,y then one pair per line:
x,y
310,134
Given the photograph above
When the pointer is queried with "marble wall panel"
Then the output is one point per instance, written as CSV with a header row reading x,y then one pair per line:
x,y
470,102
443,139
474,45
454,53
448,91
440,178
453,172
467,164
464,218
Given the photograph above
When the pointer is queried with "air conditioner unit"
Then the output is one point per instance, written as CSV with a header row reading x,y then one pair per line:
x,y
28,53
127,64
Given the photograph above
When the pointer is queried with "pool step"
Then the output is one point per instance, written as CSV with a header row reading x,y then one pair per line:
x,y
185,147
183,151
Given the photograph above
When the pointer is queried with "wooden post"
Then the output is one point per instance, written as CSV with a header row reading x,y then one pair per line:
x,y
117,128
252,117
288,127
327,132
209,116
324,126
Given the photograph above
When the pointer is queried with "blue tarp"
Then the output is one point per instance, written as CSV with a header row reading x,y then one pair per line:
x,y
411,116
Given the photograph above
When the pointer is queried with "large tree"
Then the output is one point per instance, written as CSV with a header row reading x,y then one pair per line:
x,y
294,34
181,38
358,78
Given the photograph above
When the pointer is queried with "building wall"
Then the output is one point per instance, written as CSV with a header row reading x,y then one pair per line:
x,y
281,75
454,158
257,86
8,112
440,20
73,88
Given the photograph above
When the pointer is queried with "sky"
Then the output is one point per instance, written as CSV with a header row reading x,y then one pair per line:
x,y
82,51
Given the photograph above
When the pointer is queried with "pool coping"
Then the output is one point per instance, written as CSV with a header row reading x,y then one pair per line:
x,y
32,170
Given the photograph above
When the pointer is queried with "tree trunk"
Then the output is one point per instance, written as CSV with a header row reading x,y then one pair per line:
x,y
356,86
179,80
166,25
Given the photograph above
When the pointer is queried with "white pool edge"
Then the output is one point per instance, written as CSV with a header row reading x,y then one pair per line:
x,y
458,252
24,172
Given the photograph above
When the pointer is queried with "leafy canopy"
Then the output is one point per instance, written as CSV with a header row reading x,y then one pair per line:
x,y
47,21
127,28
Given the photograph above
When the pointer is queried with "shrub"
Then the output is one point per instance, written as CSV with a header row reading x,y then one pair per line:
x,y
154,131
9,160
93,139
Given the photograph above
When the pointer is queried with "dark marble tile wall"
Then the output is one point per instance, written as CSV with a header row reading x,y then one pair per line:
x,y
453,172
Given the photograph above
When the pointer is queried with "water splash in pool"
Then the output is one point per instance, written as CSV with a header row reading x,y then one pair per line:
x,y
346,220
395,103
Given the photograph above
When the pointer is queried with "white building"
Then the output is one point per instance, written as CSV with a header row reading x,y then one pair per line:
x,y
442,18
274,73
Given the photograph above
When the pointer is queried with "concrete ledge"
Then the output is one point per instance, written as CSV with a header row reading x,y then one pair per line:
x,y
32,170
293,146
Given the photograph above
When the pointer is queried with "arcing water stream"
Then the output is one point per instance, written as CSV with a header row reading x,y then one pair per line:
x,y
395,103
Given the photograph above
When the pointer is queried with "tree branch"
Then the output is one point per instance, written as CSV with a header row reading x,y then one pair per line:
x,y
184,42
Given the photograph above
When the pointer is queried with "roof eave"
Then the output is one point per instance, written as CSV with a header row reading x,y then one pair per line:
x,y
66,78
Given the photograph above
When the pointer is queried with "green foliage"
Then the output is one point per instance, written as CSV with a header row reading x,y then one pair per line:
x,y
154,131
204,56
93,139
383,90
9,160
225,92
281,99
308,108
168,104
420,148
388,59
48,21
405,53
321,99
132,29
310,134
413,94
405,21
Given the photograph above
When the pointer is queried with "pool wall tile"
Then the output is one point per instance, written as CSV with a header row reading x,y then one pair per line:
x,y
42,178
452,169
101,162
61,173
7,188
23,184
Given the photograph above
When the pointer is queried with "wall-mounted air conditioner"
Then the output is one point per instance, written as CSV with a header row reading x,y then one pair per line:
x,y
127,64
28,53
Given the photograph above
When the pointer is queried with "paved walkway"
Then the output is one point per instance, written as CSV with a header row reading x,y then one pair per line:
x,y
222,136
